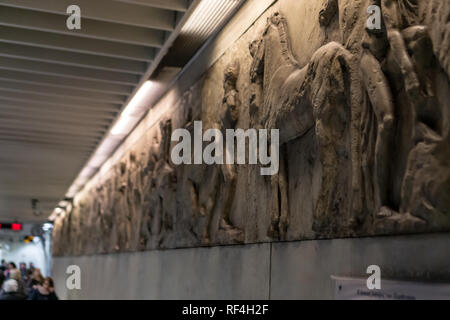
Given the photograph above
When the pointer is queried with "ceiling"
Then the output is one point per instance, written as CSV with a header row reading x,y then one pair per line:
x,y
62,90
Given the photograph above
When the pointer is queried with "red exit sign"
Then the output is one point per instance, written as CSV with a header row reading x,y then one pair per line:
x,y
11,226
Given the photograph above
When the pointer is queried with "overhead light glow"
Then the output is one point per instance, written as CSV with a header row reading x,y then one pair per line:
x,y
97,160
124,125
206,19
130,116
141,101
87,171
135,109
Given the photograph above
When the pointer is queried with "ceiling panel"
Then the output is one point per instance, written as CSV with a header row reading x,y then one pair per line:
x,y
61,89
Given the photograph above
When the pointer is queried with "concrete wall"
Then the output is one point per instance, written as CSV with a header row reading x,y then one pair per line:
x,y
291,270
239,272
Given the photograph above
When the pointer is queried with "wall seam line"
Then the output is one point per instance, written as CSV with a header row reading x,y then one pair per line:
x,y
270,270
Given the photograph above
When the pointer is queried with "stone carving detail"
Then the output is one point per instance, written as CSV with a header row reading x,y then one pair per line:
x,y
225,175
364,142
159,209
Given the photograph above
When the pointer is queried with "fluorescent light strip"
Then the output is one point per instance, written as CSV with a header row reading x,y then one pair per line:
x,y
207,18
128,119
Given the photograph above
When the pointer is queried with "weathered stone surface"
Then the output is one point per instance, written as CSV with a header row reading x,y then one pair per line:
x,y
364,133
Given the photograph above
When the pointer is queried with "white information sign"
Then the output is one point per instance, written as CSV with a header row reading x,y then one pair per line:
x,y
356,289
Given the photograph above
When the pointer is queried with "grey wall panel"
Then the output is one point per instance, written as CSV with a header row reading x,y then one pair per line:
x,y
298,270
303,270
233,272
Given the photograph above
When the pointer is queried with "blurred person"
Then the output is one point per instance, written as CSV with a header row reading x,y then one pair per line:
x,y
11,266
46,291
15,274
29,275
9,291
2,279
31,268
23,270
35,279
3,269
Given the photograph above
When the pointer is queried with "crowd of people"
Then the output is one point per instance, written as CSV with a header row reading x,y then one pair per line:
x,y
24,283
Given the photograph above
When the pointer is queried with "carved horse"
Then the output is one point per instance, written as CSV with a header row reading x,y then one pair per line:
x,y
326,95
297,99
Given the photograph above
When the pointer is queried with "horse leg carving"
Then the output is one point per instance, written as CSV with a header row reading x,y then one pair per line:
x,y
280,206
283,187
273,231
230,176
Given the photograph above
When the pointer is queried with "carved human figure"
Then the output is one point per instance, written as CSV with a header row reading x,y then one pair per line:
x,y
308,100
258,115
225,175
134,196
228,120
410,59
377,86
401,47
380,95
148,184
160,202
104,192
386,51
121,209
222,179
